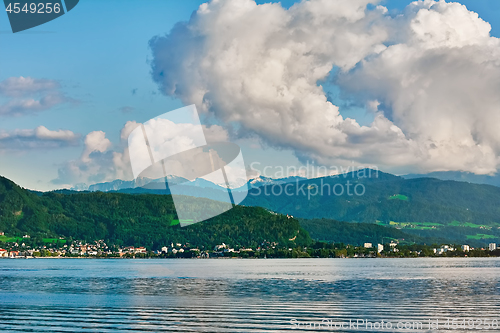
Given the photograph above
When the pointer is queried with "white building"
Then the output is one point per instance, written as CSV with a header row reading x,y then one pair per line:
x,y
465,248
492,246
443,249
367,245
380,248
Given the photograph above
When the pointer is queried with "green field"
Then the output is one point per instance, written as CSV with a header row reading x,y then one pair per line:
x,y
469,224
434,225
398,197
413,225
9,239
480,236
53,240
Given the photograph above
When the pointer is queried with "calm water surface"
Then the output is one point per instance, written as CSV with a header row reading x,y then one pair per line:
x,y
273,295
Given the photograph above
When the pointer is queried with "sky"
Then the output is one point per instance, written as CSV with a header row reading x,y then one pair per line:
x,y
403,87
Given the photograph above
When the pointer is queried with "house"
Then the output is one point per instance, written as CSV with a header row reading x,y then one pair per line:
x,y
380,248
141,249
368,245
465,248
443,249
492,246
220,247
129,249
4,253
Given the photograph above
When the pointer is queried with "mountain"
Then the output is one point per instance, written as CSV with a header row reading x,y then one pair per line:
x,y
357,234
425,207
462,176
139,220
118,185
262,181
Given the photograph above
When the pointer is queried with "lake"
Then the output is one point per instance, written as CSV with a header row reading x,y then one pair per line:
x,y
245,295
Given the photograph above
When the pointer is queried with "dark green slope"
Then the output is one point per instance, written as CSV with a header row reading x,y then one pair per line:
x,y
334,231
426,207
20,210
423,199
146,220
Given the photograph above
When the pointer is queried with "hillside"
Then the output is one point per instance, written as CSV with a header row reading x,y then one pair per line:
x,y
145,220
333,231
426,207
461,176
422,210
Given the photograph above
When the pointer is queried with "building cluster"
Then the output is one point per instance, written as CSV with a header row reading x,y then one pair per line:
x,y
380,247
467,248
101,249
78,248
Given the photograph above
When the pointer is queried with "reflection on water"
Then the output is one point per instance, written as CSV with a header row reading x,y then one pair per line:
x,y
71,295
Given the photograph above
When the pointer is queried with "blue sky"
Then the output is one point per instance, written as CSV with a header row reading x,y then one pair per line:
x,y
99,54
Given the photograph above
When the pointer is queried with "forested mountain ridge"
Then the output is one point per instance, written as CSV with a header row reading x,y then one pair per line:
x,y
140,220
384,198
424,209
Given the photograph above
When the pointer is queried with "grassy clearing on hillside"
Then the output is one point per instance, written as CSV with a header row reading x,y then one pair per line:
x,y
469,224
9,239
413,225
480,236
53,240
398,197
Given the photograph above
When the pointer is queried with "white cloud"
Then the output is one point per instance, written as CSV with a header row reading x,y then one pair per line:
x,y
28,95
439,84
431,75
95,142
94,165
38,138
23,86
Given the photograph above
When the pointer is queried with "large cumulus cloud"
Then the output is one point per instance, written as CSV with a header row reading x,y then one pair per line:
x,y
430,75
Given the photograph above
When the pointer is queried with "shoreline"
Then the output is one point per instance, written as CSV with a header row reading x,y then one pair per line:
x,y
233,258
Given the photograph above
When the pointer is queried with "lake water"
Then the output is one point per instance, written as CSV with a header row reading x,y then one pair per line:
x,y
266,295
